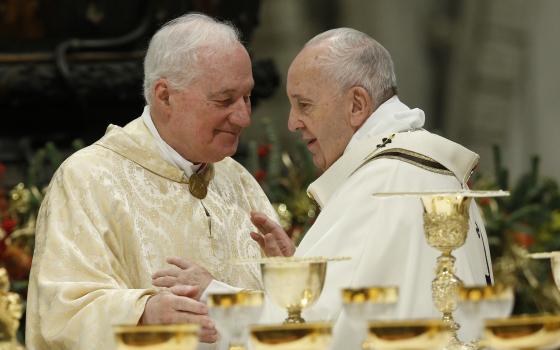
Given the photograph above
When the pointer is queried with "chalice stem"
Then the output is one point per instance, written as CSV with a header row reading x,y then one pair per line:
x,y
445,290
294,316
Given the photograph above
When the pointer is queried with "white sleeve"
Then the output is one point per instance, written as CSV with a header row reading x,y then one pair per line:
x,y
216,287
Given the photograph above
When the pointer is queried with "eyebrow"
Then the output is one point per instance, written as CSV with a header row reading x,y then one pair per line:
x,y
299,97
220,93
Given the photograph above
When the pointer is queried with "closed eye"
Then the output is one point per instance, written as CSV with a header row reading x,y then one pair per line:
x,y
225,102
303,106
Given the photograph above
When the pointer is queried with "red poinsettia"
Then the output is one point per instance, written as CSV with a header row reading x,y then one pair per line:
x,y
9,224
263,150
523,239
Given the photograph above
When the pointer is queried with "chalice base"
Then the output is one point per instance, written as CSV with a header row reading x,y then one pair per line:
x,y
236,347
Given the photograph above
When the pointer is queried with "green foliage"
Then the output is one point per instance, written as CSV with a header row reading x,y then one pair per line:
x,y
284,177
527,221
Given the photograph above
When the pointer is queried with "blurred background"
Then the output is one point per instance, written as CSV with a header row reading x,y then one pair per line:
x,y
486,73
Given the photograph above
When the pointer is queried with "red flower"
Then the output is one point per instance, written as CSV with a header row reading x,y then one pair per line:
x,y
17,262
263,150
523,239
8,224
260,175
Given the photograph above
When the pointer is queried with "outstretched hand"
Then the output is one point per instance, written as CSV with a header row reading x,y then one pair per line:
x,y
183,272
273,240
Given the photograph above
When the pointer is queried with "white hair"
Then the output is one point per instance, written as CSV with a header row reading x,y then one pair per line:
x,y
355,59
173,53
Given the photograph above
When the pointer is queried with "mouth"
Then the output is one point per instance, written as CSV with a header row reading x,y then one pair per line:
x,y
310,142
231,132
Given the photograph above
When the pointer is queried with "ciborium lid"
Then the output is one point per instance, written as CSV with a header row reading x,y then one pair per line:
x,y
544,255
291,259
461,193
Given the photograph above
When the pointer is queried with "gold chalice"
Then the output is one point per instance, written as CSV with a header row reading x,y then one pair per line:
x,y
484,302
157,337
554,263
370,303
446,224
407,335
233,313
294,283
523,333
294,336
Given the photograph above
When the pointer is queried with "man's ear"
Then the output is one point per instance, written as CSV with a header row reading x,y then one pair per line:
x,y
162,94
361,106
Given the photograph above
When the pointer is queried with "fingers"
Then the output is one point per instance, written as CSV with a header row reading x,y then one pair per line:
x,y
189,305
263,223
185,290
180,263
208,335
257,237
166,272
165,281
272,248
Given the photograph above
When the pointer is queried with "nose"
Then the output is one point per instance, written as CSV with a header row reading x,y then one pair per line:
x,y
241,114
294,122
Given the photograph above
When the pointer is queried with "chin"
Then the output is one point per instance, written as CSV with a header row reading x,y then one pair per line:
x,y
218,156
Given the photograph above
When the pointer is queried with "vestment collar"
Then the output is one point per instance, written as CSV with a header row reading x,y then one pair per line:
x,y
166,151
136,143
400,124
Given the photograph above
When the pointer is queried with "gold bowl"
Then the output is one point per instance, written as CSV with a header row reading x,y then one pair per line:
x,y
294,283
233,313
156,337
370,303
484,302
302,336
371,295
407,335
523,332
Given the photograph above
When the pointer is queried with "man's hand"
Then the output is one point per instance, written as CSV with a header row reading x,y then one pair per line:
x,y
272,239
176,305
187,273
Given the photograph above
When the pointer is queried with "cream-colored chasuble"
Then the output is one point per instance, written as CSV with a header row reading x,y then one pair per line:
x,y
113,213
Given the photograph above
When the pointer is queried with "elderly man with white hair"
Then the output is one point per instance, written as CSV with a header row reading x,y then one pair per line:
x,y
342,91
161,189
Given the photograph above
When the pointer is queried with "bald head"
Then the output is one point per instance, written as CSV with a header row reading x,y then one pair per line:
x,y
352,58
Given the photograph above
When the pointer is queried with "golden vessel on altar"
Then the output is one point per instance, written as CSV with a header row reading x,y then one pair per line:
x,y
293,336
156,337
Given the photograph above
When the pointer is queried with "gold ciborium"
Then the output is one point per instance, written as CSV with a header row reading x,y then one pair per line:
x,y
294,336
370,303
294,283
233,313
446,224
523,333
407,335
484,302
554,264
156,337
